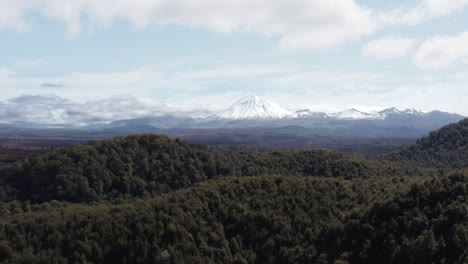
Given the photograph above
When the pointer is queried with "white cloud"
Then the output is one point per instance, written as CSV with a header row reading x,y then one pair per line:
x,y
441,51
298,23
68,11
126,106
425,11
6,72
13,14
53,110
142,83
389,47
200,92
444,7
44,109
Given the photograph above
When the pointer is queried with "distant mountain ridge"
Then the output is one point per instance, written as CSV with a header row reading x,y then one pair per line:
x,y
257,112
254,107
352,114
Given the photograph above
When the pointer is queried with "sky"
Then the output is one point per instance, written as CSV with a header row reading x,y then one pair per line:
x,y
111,59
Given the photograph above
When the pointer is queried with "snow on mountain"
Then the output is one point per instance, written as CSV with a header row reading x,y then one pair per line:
x,y
386,112
390,111
394,111
352,114
412,111
306,113
253,107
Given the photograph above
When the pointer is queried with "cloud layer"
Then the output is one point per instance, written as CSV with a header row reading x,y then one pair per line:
x,y
441,51
423,12
301,79
298,24
390,47
198,93
50,109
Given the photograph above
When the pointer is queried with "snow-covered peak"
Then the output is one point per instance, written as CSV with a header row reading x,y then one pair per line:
x,y
412,111
306,113
352,114
394,111
388,111
383,114
253,107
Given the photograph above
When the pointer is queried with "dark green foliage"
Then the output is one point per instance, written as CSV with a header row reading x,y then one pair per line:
x,y
252,220
214,221
428,224
138,166
444,148
120,201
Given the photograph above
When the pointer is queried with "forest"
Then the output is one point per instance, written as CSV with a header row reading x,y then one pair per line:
x,y
444,148
153,199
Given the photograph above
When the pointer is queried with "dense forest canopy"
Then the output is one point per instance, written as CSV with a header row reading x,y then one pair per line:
x,y
151,199
147,165
270,219
446,147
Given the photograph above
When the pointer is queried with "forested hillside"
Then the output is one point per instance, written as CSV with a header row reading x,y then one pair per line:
x,y
151,199
252,220
148,165
446,147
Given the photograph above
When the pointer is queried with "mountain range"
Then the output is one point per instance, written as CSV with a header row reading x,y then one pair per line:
x,y
256,111
253,115
255,107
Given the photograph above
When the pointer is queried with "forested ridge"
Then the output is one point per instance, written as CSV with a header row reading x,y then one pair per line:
x,y
152,199
443,148
147,165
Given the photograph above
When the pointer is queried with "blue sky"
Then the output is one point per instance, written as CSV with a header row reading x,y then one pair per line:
x,y
196,57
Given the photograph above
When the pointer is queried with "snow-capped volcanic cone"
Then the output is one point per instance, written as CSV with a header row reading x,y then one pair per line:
x,y
253,107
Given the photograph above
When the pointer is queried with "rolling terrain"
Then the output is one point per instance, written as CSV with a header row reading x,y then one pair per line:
x,y
152,199
136,166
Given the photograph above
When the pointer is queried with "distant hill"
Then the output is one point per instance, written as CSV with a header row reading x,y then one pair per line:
x,y
147,165
446,147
